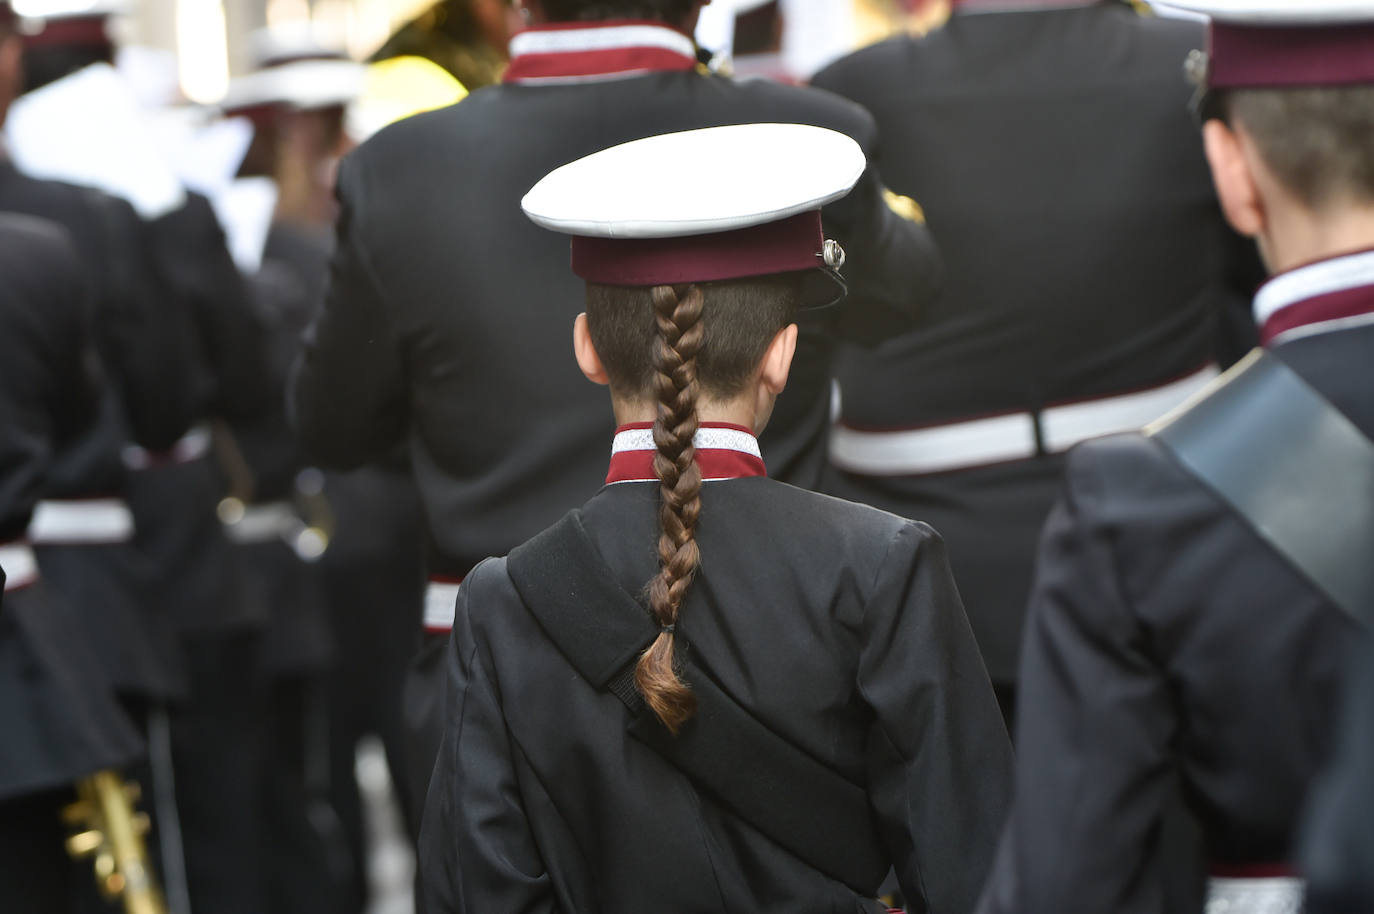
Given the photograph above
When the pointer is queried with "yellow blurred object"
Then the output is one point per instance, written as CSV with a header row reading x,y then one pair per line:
x,y
399,87
905,207
878,20
111,835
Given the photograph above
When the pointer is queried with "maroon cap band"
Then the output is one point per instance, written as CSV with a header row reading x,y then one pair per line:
x,y
1269,57
794,243
72,32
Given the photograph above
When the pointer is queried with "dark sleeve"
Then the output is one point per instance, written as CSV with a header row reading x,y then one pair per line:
x,y
48,391
144,337
197,271
892,264
1338,846
348,393
939,757
477,853
1094,724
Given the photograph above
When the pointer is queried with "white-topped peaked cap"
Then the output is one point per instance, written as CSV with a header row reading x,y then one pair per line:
x,y
1281,12
704,205
71,9
1276,44
699,181
293,66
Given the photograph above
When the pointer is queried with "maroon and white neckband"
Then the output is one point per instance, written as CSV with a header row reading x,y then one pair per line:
x,y
723,451
1322,297
580,52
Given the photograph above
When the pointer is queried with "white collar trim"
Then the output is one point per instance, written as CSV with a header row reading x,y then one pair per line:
x,y
604,38
725,439
1323,278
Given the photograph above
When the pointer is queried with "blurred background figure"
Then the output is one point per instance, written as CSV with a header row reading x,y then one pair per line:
x,y
77,102
277,512
345,595
1049,145
466,37
58,708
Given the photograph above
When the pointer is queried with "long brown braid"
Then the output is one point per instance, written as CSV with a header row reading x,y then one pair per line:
x,y
680,332
659,343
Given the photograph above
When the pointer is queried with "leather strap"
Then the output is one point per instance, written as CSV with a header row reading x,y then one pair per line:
x,y
1293,466
801,804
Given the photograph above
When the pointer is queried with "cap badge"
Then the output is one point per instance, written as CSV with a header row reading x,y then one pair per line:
x,y
1197,68
833,254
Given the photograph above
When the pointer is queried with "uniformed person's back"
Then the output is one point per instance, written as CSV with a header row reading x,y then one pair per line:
x,y
1087,266
631,691
435,328
1199,586
57,709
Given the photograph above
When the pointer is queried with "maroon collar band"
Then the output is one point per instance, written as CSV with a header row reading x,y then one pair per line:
x,y
590,51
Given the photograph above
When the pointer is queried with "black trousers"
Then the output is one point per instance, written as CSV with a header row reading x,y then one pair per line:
x,y
219,752
36,876
374,588
425,692
310,864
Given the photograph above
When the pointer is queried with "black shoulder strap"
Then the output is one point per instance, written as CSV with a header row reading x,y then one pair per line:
x,y
1291,464
801,804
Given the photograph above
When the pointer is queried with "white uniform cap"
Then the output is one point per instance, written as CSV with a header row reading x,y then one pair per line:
x,y
70,9
295,68
1278,44
1281,12
711,180
702,205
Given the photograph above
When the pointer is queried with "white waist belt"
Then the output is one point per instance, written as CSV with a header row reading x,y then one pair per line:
x,y
193,445
265,523
997,439
1279,895
441,602
81,521
21,568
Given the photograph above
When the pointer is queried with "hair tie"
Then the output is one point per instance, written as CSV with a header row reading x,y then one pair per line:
x,y
668,629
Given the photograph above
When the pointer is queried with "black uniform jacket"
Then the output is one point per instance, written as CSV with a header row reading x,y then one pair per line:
x,y
1053,153
286,288
1164,639
448,318
1338,852
141,331
58,717
836,625
150,390
174,502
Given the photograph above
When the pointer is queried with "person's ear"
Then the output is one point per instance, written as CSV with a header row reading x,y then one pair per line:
x,y
1234,179
777,360
587,358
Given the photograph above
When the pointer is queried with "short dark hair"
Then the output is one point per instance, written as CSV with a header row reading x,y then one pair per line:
x,y
1317,141
669,11
740,317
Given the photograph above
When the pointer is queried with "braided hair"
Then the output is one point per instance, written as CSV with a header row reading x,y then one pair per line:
x,y
682,343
